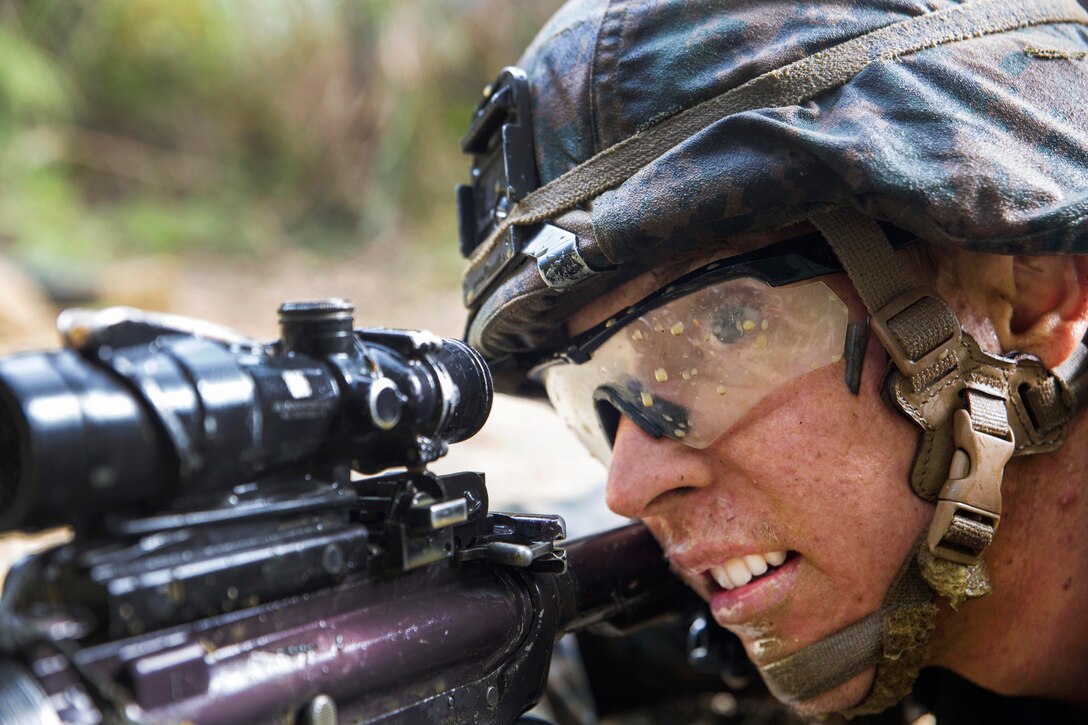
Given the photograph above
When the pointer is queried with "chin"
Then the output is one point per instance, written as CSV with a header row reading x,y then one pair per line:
x,y
843,697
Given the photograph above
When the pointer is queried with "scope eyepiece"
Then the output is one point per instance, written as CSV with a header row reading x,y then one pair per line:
x,y
469,375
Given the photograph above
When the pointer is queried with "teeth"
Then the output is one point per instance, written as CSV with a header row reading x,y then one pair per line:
x,y
718,572
739,571
756,564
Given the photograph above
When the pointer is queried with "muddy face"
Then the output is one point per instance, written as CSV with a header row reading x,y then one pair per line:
x,y
793,523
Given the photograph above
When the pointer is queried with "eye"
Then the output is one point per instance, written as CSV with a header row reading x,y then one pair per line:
x,y
655,414
731,322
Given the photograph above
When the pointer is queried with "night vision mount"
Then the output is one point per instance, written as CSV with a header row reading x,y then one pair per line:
x,y
504,171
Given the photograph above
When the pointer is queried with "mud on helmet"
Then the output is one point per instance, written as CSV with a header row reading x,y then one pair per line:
x,y
634,132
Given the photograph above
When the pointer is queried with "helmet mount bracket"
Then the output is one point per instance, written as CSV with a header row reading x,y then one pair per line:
x,y
500,141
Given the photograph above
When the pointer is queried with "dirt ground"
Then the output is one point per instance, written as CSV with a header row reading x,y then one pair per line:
x,y
532,461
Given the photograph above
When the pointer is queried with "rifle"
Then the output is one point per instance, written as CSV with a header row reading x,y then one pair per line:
x,y
231,563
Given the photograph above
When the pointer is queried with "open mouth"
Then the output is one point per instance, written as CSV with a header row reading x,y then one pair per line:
x,y
745,570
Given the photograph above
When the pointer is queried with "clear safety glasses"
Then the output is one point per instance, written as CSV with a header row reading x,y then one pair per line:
x,y
692,359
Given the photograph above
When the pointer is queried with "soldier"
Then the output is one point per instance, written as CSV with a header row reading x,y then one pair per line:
x,y
686,217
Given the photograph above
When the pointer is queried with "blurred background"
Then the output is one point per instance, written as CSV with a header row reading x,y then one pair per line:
x,y
216,157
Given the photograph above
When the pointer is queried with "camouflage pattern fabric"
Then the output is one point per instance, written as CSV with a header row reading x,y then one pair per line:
x,y
980,143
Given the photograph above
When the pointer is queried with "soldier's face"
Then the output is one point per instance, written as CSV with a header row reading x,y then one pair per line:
x,y
811,472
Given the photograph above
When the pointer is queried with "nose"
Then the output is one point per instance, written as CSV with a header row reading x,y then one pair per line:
x,y
648,472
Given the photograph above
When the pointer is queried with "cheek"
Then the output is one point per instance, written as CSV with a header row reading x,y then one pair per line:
x,y
834,468
814,431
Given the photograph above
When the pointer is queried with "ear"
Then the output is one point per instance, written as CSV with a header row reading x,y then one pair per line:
x,y
1037,305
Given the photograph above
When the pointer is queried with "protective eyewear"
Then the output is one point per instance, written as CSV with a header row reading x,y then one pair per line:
x,y
692,359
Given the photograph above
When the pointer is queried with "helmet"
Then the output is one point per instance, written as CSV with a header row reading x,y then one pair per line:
x,y
633,132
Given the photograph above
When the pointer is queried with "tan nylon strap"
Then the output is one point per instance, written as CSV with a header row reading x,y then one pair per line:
x,y
789,85
1054,400
919,329
1075,366
1074,371
870,262
972,535
1045,402
833,660
866,255
988,414
923,326
1073,374
828,663
935,372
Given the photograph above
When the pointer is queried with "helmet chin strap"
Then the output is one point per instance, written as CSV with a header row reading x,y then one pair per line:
x,y
976,410
894,638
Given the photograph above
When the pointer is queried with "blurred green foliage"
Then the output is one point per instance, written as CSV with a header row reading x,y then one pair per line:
x,y
155,126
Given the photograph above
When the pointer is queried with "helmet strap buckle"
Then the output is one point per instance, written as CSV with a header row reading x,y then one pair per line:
x,y
969,504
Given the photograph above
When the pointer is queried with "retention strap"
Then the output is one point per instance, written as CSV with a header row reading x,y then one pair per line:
x,y
828,663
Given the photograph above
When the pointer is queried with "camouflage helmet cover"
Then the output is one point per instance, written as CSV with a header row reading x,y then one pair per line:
x,y
979,143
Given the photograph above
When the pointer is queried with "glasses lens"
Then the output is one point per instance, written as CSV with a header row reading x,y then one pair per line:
x,y
693,367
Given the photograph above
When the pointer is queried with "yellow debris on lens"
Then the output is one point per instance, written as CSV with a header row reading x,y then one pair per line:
x,y
661,375
749,325
721,390
679,433
677,329
836,358
636,335
764,325
761,341
610,323
647,400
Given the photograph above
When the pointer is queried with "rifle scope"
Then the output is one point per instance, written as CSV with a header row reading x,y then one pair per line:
x,y
141,412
